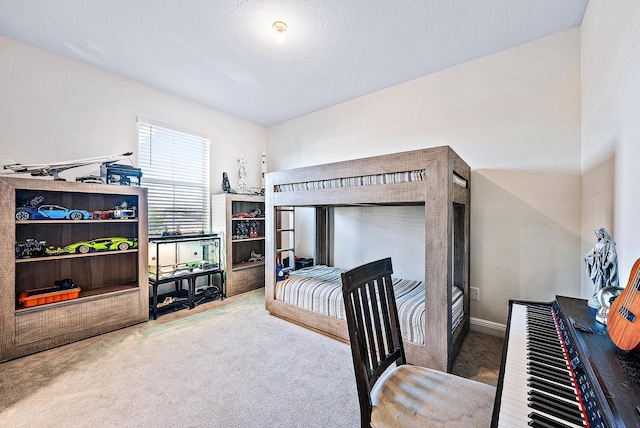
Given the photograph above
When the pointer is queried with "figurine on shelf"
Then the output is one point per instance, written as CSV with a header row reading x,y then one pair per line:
x,y
242,230
242,174
226,186
263,170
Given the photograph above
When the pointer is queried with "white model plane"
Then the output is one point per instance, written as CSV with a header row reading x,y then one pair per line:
x,y
54,168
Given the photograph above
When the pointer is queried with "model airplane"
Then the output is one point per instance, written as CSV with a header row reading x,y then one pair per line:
x,y
54,168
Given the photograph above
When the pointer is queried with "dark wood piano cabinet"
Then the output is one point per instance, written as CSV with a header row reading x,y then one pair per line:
x,y
614,373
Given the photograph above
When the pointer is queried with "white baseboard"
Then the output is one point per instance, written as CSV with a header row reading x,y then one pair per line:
x,y
488,327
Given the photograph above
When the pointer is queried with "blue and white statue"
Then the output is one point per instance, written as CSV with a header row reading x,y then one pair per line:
x,y
602,265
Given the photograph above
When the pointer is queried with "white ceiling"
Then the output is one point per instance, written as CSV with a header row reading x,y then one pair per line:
x,y
223,53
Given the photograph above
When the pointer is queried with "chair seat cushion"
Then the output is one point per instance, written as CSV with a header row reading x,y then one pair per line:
x,y
409,396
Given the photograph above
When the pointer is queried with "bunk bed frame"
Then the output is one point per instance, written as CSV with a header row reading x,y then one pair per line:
x,y
442,186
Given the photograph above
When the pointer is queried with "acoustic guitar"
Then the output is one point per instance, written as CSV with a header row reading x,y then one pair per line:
x,y
623,321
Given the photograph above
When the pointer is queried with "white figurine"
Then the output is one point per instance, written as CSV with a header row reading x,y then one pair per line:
x,y
263,168
602,265
242,174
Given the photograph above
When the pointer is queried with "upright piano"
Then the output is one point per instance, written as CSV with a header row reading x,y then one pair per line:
x,y
560,369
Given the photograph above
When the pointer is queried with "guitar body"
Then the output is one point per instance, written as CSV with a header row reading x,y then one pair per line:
x,y
623,321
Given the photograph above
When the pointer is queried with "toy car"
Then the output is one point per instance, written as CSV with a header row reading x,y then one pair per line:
x,y
43,212
251,214
123,211
102,244
30,248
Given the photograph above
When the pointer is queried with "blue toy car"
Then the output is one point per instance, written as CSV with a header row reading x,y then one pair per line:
x,y
45,212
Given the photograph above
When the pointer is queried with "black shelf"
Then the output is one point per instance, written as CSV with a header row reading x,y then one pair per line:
x,y
185,298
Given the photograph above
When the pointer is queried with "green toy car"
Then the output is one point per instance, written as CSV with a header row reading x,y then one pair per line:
x,y
102,244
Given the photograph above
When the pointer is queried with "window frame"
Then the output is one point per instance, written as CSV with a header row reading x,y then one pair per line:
x,y
179,196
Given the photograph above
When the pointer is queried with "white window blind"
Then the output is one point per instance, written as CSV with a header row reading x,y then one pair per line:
x,y
175,168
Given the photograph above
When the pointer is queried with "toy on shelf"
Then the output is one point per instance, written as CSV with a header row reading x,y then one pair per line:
x,y
50,212
102,244
33,209
251,214
64,289
95,245
124,210
119,174
255,257
30,248
55,168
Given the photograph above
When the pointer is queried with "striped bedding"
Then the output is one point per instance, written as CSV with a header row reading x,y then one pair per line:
x,y
365,180
319,289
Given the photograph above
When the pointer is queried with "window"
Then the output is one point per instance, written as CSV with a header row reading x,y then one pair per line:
x,y
175,168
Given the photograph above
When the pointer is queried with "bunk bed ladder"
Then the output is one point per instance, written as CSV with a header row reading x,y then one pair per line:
x,y
285,237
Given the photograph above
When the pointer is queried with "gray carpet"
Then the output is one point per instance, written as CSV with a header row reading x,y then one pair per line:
x,y
479,358
223,364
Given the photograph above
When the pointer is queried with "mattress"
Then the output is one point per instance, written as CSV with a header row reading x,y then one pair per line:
x,y
319,289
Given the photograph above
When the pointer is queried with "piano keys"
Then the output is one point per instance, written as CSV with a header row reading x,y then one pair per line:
x,y
560,369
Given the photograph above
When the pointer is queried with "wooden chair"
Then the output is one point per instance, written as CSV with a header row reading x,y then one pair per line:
x,y
391,392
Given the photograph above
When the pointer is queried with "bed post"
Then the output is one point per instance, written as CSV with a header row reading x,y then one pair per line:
x,y
437,262
323,247
270,249
461,222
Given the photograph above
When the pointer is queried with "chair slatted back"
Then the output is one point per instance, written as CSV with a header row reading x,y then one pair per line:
x,y
374,329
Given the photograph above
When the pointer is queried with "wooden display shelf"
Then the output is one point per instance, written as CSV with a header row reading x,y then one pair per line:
x,y
63,221
113,284
84,295
75,255
259,238
247,265
242,275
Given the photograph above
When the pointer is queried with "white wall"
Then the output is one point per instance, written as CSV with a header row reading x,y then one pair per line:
x,y
55,109
515,118
611,127
364,234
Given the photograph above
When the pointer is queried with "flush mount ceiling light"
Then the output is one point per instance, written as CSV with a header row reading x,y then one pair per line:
x,y
280,27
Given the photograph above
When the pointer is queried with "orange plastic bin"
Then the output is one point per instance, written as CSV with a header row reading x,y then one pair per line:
x,y
42,296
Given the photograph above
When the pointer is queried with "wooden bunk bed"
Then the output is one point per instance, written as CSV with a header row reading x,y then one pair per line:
x,y
436,178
